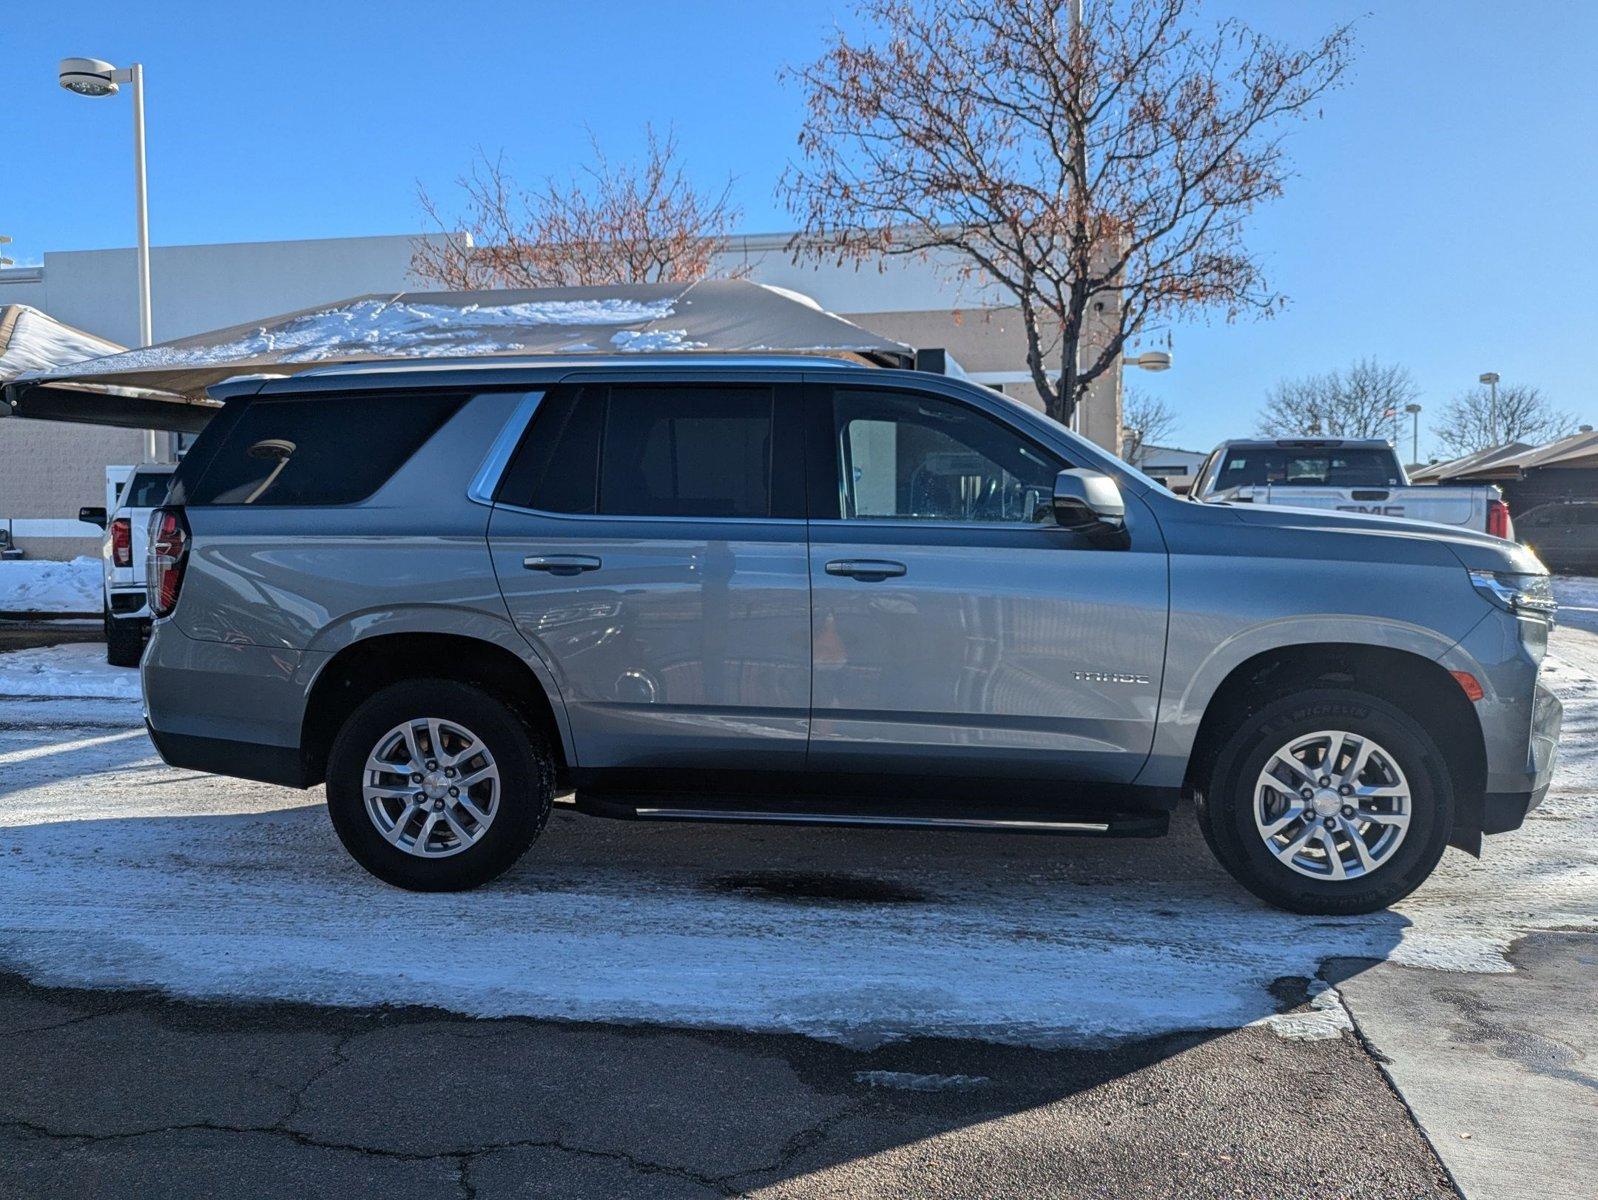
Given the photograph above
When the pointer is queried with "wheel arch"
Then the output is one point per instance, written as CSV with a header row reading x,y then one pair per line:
x,y
1420,686
357,670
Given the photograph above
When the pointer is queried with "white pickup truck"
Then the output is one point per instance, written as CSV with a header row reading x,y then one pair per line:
x,y
1360,476
131,494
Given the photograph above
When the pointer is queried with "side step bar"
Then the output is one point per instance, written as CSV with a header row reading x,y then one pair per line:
x,y
641,808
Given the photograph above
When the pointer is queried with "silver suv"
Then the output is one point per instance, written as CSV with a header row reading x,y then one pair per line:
x,y
784,590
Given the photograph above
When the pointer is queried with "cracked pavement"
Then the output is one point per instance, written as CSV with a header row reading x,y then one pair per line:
x,y
118,1094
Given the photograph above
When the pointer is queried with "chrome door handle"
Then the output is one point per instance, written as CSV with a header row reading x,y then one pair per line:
x,y
870,570
561,564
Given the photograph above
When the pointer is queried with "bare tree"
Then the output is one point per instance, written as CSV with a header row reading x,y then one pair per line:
x,y
1101,174
614,223
1146,421
1470,421
1361,400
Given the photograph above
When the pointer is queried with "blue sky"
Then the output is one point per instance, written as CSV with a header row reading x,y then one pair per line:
x,y
1442,214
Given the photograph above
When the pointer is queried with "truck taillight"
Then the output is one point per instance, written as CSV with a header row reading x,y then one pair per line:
x,y
169,554
1498,519
121,537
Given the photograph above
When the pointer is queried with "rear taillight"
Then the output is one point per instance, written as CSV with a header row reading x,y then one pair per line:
x,y
1498,519
169,554
120,536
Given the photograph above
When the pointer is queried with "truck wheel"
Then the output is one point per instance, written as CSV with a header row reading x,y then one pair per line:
x,y
436,786
1330,802
124,642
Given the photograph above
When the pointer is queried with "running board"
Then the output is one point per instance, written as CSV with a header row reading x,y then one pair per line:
x,y
648,809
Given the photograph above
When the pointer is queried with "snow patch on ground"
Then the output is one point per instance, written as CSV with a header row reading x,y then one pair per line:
x,y
116,871
77,670
1325,1020
397,329
36,585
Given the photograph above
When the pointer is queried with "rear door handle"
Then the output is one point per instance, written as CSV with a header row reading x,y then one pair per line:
x,y
561,564
870,570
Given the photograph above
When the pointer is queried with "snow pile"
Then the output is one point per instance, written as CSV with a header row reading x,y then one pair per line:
x,y
75,670
38,343
35,585
641,340
394,329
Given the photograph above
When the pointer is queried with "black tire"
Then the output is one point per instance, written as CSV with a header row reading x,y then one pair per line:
x,y
124,642
1226,817
526,772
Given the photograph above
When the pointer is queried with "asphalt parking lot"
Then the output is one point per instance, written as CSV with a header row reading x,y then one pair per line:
x,y
205,997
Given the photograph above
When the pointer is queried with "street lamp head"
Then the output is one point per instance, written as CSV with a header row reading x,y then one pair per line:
x,y
1150,360
1412,408
1489,377
87,76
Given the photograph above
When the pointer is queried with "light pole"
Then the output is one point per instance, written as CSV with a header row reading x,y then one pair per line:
x,y
1414,437
1490,378
95,77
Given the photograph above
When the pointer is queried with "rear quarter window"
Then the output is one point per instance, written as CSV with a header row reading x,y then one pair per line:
x,y
310,452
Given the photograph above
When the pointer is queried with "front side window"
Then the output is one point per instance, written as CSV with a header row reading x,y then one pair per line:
x,y
908,457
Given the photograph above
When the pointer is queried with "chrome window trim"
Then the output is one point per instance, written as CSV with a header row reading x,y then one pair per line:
x,y
901,523
674,520
486,482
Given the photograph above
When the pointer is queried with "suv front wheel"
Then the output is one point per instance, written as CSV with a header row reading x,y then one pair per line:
x,y
1329,802
437,786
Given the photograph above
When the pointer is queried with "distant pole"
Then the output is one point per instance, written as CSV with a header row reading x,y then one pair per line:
x,y
1490,378
1414,436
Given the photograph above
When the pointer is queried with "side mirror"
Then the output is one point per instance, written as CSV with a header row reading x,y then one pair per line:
x,y
1088,502
92,516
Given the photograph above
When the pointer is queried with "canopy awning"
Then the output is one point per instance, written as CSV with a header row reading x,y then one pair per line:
x,y
31,340
1576,451
1486,464
164,386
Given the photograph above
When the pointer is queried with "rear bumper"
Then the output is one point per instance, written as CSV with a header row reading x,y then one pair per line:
x,y
222,756
128,604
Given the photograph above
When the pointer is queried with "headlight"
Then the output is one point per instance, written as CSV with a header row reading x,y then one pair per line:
x,y
1522,594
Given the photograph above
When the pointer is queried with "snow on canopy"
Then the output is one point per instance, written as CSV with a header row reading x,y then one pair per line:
x,y
34,341
712,316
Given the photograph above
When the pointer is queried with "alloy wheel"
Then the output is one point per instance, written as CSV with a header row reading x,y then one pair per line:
x,y
431,787
1332,805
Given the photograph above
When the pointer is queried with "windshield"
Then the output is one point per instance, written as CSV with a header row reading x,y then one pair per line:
x,y
1247,466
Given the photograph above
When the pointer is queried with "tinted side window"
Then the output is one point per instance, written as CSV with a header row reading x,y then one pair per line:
x,y
556,469
697,451
687,452
902,456
329,450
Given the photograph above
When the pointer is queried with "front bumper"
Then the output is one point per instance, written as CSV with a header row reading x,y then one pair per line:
x,y
1503,811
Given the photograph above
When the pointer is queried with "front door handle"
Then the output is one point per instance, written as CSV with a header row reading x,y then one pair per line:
x,y
561,564
869,570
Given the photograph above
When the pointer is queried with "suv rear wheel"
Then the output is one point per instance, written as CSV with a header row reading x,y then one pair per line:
x,y
1329,802
437,786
